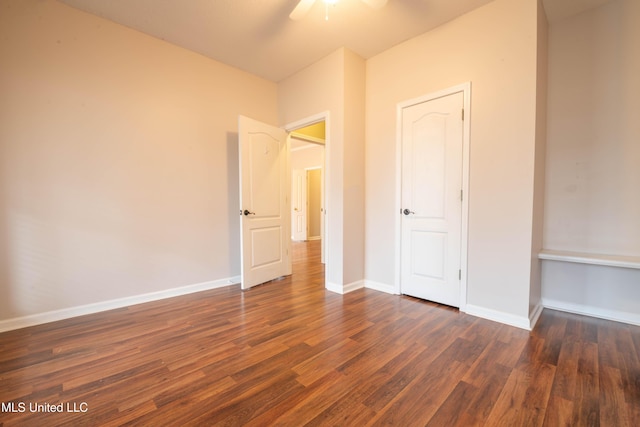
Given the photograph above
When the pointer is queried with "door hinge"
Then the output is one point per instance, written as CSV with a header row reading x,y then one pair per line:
x,y
463,114
459,274
461,199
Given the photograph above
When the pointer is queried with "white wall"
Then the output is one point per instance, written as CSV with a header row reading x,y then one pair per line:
x,y
334,85
495,48
118,160
308,157
592,198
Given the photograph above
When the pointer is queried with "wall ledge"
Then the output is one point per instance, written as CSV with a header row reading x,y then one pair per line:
x,y
588,258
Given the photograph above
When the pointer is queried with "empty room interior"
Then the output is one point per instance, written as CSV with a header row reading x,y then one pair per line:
x,y
351,212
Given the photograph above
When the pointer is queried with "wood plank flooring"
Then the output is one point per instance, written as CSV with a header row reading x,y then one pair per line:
x,y
290,353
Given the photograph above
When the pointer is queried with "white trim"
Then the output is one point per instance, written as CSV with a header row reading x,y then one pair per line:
x,y
382,287
350,287
499,316
81,310
465,88
308,121
587,258
345,289
535,315
327,241
333,287
307,138
586,310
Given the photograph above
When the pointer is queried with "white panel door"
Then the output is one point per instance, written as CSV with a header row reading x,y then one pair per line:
x,y
299,205
431,225
264,202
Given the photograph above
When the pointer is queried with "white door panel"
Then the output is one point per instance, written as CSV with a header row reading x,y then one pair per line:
x,y
432,144
264,202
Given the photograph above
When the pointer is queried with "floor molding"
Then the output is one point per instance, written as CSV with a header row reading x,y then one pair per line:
x,y
535,315
382,287
585,310
344,289
81,310
499,316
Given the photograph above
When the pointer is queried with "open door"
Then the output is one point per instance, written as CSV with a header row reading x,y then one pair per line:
x,y
264,202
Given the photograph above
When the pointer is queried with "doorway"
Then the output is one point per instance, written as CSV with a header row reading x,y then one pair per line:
x,y
433,165
307,154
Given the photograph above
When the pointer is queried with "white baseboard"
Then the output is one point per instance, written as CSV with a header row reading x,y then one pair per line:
x,y
350,287
498,316
382,287
333,287
344,289
585,310
535,315
66,313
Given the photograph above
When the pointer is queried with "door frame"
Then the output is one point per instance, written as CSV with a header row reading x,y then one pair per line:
x,y
326,238
465,88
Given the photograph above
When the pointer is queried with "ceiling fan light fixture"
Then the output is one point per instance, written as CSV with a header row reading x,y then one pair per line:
x,y
304,6
328,3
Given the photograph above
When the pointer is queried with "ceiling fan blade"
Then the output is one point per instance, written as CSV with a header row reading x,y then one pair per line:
x,y
376,4
301,9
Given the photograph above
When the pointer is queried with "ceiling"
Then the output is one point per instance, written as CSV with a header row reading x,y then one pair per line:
x,y
257,36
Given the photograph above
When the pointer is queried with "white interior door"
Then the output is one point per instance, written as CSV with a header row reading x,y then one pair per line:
x,y
431,225
299,205
264,202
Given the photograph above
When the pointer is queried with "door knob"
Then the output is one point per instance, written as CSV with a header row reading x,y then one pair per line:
x,y
408,212
246,212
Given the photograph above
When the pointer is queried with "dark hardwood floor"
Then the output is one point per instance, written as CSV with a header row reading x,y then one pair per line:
x,y
290,353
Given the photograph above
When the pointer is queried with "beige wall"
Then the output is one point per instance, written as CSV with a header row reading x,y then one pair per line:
x,y
309,157
118,160
335,85
354,180
592,198
592,201
493,47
